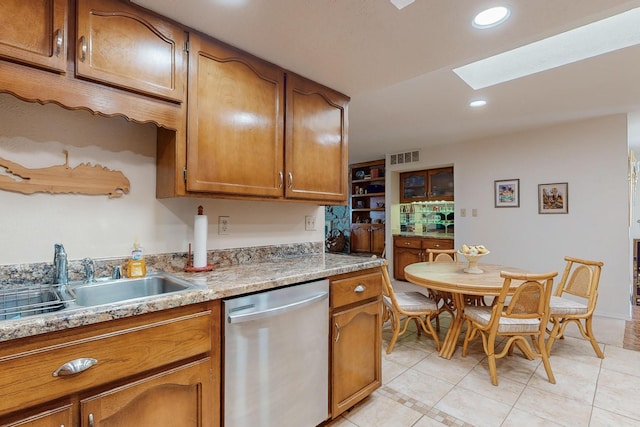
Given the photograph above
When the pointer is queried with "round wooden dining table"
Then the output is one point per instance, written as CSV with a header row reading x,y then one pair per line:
x,y
450,277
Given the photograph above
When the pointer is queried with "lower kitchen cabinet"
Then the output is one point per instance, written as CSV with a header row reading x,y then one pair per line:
x,y
409,250
368,238
356,331
175,395
62,417
165,363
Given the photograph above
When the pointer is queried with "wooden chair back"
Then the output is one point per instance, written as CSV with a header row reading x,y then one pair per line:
x,y
442,255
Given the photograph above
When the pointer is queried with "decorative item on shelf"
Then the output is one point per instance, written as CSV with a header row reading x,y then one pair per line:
x,y
336,241
473,253
360,174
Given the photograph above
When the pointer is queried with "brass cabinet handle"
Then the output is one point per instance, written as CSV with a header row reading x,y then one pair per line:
x,y
360,289
290,180
281,180
74,367
59,39
338,332
83,48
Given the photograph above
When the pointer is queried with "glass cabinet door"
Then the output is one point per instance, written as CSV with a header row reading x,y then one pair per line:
x,y
440,186
413,186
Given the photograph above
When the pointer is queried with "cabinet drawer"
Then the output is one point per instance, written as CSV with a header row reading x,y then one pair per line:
x,y
355,289
437,244
133,348
407,242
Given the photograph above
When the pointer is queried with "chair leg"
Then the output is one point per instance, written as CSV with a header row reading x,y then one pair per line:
x,y
589,325
553,334
545,359
395,327
491,358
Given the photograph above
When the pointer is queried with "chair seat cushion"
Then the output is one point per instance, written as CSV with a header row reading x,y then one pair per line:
x,y
565,306
412,302
481,315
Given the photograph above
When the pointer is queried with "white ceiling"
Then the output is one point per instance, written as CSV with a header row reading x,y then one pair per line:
x,y
396,65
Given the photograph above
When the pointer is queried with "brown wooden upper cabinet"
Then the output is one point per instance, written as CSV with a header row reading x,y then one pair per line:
x,y
237,141
426,185
126,47
34,32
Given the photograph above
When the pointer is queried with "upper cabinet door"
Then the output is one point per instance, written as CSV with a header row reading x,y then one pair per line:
x,y
413,186
34,32
123,46
316,142
235,122
440,184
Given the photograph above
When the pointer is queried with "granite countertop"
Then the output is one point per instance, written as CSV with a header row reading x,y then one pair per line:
x,y
222,282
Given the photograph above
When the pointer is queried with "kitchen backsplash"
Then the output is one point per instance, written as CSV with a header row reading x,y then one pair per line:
x,y
42,273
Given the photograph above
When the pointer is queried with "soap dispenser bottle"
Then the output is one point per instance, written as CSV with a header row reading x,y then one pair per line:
x,y
137,266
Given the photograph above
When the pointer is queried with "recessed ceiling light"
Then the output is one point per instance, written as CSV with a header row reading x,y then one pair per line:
x,y
491,17
600,37
477,103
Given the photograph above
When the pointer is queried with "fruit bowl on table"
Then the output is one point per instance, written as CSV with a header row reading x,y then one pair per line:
x,y
473,259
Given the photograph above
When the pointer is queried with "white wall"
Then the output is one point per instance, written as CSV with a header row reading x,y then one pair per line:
x,y
96,226
591,156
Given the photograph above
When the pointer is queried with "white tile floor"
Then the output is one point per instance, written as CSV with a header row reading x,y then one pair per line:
x,y
421,389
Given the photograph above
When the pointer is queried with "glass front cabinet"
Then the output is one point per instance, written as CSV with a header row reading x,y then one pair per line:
x,y
426,185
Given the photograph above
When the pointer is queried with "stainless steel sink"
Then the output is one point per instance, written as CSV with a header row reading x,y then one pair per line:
x,y
17,302
87,295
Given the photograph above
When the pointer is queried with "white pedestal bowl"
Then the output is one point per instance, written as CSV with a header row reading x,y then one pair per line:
x,y
473,262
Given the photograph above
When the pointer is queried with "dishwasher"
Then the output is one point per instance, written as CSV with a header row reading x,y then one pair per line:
x,y
276,348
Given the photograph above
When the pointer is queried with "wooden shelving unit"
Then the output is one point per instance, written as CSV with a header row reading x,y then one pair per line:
x,y
367,206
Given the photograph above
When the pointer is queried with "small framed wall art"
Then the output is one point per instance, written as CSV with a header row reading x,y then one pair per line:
x,y
507,193
553,198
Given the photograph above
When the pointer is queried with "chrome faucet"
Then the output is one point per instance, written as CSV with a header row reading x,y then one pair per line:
x,y
60,266
90,270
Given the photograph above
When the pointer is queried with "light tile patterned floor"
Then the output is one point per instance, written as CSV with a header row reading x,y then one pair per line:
x,y
421,389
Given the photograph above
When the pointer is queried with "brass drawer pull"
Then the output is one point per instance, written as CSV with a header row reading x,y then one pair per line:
x,y
74,367
360,289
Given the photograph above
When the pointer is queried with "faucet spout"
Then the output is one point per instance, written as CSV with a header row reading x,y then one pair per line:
x,y
60,266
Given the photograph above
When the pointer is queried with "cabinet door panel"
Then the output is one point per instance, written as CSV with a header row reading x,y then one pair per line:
x,y
403,257
377,238
356,355
236,121
62,416
34,32
122,46
316,142
360,238
181,397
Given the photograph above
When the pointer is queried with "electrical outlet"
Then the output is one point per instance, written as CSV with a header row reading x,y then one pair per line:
x,y
463,212
224,225
474,212
310,223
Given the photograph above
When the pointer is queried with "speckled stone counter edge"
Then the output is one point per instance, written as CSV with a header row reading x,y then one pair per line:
x,y
237,272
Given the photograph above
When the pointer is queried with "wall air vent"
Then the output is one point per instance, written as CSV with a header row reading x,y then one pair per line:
x,y
402,158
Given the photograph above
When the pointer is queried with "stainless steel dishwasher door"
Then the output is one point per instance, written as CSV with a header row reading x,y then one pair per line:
x,y
276,348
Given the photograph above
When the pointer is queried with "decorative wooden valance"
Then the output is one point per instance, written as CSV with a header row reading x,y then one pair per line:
x,y
82,179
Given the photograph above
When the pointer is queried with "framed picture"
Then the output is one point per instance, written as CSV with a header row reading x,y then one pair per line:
x,y
553,198
507,193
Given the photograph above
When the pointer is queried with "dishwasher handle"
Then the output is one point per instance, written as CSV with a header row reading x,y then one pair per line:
x,y
274,311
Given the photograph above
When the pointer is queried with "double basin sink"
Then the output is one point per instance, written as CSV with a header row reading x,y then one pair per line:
x,y
34,300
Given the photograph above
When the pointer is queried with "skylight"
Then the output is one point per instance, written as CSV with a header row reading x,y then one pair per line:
x,y
491,17
607,35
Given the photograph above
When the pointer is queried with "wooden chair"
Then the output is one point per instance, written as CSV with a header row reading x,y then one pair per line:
x,y
580,280
409,305
443,255
525,315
